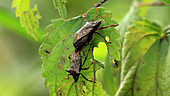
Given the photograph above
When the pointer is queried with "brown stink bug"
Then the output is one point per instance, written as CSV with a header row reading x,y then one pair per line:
x,y
84,35
76,67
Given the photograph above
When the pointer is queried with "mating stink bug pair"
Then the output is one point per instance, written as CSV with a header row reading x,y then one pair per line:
x,y
81,39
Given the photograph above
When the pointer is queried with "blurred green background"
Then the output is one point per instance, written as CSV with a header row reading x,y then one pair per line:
x,y
20,63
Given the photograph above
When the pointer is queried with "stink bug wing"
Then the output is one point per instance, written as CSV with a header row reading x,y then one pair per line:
x,y
75,63
76,37
81,43
85,30
82,37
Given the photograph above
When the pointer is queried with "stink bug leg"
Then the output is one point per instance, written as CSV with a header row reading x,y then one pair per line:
x,y
75,68
89,66
87,79
85,34
102,37
64,85
104,28
97,13
96,16
109,25
87,55
67,76
105,16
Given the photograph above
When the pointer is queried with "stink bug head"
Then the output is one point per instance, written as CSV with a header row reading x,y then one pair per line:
x,y
74,74
72,71
76,77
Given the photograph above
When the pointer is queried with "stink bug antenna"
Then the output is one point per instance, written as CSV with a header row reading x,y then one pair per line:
x,y
96,12
105,16
107,26
96,16
64,85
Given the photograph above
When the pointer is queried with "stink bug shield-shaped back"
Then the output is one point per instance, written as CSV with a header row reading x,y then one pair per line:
x,y
75,66
84,35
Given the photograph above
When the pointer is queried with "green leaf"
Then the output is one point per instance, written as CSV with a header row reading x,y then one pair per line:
x,y
28,17
60,5
109,78
144,10
55,50
166,1
167,72
132,15
167,29
144,66
111,32
58,45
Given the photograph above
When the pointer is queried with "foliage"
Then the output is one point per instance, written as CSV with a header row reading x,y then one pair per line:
x,y
58,45
144,61
111,32
109,80
143,56
60,5
166,1
28,17
132,15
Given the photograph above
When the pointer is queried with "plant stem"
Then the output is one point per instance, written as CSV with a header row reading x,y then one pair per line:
x,y
97,5
157,3
100,3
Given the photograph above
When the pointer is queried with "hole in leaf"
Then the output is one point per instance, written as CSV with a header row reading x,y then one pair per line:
x,y
62,60
60,93
69,57
100,52
25,12
115,63
46,51
84,89
107,38
59,66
